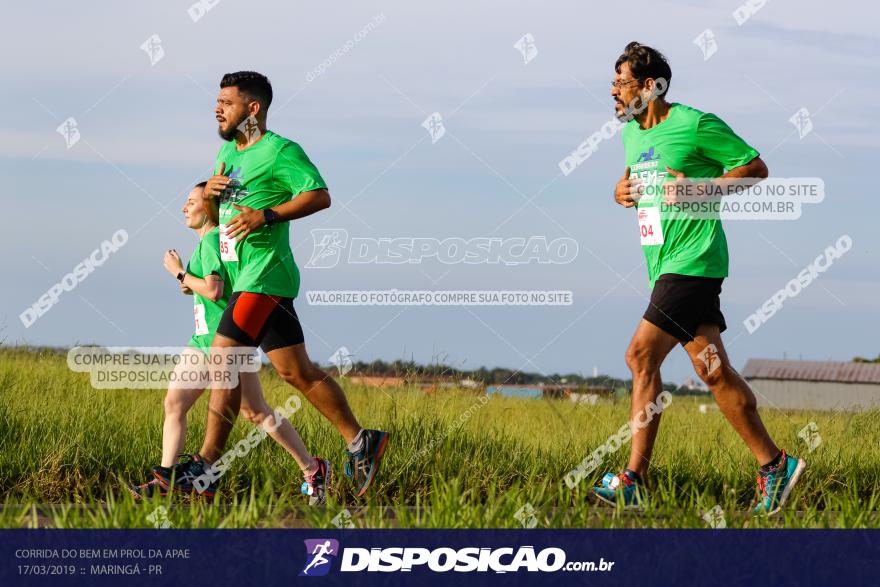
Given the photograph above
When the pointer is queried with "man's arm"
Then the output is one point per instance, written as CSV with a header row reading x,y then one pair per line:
x,y
305,204
717,141
683,188
755,170
250,219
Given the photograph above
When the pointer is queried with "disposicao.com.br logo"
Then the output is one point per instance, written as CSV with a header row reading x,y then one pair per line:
x,y
443,559
317,558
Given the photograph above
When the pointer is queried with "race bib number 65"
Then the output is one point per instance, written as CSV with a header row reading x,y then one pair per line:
x,y
650,230
227,246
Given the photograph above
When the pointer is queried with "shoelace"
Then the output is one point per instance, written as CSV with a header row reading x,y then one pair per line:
x,y
189,467
147,485
764,476
353,459
762,484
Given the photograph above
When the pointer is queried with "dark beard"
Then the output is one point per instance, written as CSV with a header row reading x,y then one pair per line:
x,y
233,130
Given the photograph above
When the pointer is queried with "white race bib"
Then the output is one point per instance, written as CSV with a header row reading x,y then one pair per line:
x,y
201,323
650,230
227,246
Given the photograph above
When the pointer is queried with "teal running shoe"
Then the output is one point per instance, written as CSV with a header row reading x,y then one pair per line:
x,y
775,485
624,489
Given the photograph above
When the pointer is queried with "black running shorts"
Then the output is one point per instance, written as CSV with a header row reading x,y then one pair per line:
x,y
255,319
681,303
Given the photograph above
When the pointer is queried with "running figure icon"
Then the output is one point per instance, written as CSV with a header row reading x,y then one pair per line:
x,y
318,553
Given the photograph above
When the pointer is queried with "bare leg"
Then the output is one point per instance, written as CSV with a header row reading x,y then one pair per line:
x,y
647,350
178,401
255,409
224,403
732,393
322,391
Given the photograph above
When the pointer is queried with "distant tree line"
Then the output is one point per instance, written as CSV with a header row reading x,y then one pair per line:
x,y
484,376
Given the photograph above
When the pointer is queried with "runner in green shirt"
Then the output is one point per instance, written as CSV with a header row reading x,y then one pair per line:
x,y
206,279
686,255
263,176
204,264
264,181
698,145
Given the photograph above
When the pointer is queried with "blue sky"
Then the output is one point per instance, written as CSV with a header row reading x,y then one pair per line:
x,y
147,133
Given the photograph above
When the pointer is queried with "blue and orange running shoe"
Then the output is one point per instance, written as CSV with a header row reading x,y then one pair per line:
x,y
190,475
624,489
775,485
363,466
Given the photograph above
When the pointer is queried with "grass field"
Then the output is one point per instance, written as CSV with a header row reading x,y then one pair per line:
x,y
453,460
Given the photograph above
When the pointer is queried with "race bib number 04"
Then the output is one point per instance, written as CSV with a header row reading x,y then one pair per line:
x,y
227,246
650,230
201,323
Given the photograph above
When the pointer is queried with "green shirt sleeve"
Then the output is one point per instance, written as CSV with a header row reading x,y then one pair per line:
x,y
294,172
718,142
210,257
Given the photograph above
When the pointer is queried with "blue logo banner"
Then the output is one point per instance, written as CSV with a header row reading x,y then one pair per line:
x,y
437,557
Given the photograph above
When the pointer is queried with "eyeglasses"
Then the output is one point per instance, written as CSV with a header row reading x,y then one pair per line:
x,y
619,84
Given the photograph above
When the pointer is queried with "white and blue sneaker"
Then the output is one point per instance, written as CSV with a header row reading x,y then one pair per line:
x,y
624,489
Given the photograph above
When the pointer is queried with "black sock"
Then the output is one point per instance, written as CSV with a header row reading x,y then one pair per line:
x,y
635,475
774,463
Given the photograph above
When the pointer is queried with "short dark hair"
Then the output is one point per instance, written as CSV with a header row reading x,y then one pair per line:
x,y
255,85
201,184
645,62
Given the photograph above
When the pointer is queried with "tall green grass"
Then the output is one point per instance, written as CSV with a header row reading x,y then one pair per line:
x,y
66,451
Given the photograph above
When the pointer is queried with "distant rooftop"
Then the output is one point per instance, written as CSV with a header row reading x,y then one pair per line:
x,y
838,372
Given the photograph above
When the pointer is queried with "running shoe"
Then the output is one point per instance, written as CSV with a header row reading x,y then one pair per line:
x,y
363,466
315,485
622,489
188,476
775,485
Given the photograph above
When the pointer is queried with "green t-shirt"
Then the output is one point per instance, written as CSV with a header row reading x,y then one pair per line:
x,y
268,173
700,145
205,260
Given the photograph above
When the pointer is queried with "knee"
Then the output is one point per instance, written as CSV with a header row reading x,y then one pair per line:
x,y
715,372
252,416
294,377
175,404
709,376
640,359
302,378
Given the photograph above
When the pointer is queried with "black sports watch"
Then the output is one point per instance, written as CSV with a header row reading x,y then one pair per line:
x,y
181,276
270,216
